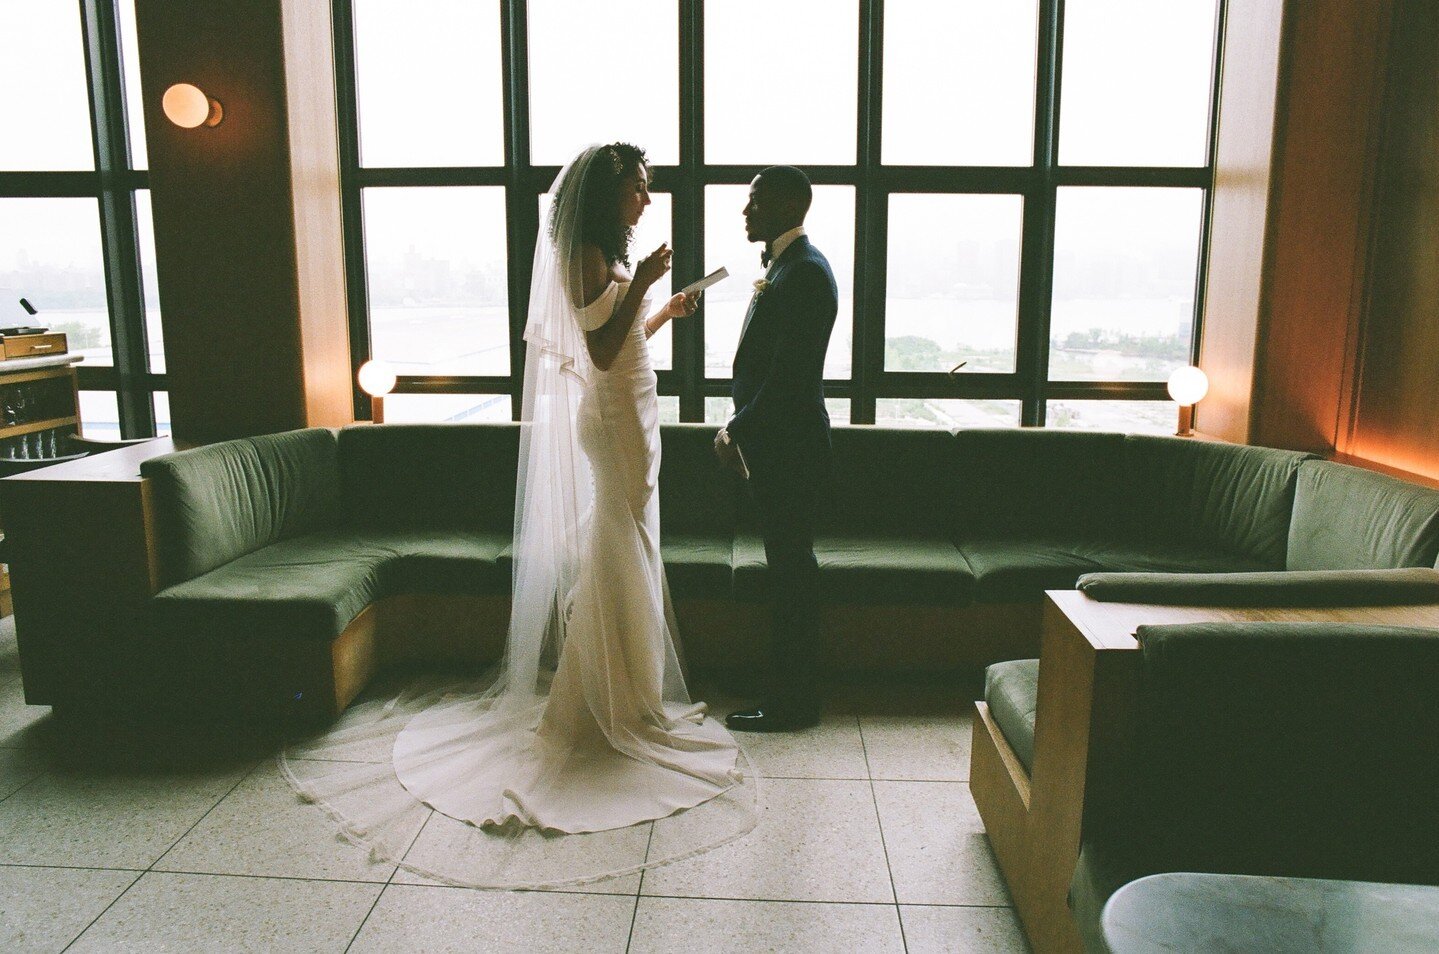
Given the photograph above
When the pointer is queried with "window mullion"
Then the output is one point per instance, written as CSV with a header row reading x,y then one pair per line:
x,y
119,239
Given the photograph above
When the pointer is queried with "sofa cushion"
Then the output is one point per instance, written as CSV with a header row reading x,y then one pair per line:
x,y
1347,518
890,481
435,476
307,587
1020,569
216,503
1017,481
1411,586
1213,495
697,565
697,495
450,562
1012,691
866,569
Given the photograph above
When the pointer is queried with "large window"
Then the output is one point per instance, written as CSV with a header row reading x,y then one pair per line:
x,y
1014,196
76,238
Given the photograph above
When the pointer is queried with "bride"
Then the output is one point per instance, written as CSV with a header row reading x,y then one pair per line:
x,y
586,738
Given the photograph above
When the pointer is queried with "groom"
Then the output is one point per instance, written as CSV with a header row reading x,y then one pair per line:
x,y
779,435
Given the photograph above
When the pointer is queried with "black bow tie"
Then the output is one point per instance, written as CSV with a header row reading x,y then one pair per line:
x,y
765,258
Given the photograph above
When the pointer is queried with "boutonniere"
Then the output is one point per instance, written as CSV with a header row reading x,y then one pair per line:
x,y
760,286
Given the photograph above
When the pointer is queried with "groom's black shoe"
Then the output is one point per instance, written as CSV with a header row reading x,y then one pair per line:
x,y
765,718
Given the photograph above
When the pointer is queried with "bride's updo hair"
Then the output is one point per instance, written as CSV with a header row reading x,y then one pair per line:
x,y
600,200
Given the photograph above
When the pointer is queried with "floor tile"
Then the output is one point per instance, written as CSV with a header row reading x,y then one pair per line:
x,y
832,749
467,854
105,820
438,919
949,930
20,724
17,767
817,840
263,828
663,925
914,748
44,909
938,853
177,912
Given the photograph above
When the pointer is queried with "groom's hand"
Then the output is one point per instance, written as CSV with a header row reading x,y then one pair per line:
x,y
728,453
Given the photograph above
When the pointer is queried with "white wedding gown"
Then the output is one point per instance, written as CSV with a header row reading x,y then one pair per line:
x,y
553,784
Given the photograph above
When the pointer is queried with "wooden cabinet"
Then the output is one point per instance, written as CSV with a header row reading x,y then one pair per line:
x,y
39,409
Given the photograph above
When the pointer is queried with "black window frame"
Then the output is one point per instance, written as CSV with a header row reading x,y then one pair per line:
x,y
873,182
112,184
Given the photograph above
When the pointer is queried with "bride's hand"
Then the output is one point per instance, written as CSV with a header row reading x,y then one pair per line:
x,y
653,266
682,306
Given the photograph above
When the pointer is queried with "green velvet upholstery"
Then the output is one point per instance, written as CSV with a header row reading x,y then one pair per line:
x,y
1404,587
699,506
1022,482
875,569
697,495
216,503
1020,569
894,482
1211,495
867,569
307,587
1104,867
1294,749
697,565
449,562
436,476
1346,518
1011,689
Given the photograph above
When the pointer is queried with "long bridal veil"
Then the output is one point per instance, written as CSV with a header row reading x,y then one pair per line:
x,y
581,756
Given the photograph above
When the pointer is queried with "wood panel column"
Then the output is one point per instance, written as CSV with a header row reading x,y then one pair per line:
x,y
1284,302
247,216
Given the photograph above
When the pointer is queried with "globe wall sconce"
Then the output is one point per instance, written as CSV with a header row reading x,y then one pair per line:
x,y
187,106
376,379
1187,386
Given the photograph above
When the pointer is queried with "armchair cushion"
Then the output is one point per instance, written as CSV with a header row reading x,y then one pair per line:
x,y
1012,691
1019,569
1301,749
1411,586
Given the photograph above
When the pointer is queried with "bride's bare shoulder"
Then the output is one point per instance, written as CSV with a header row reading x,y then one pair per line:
x,y
594,272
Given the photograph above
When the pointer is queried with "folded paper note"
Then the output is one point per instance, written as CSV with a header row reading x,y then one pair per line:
x,y
713,278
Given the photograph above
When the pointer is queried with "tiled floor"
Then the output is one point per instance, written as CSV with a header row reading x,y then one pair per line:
x,y
869,842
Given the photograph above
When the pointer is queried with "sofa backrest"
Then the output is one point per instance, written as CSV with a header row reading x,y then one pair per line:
x,y
1228,496
890,480
1348,518
430,476
697,495
1037,481
216,503
1303,749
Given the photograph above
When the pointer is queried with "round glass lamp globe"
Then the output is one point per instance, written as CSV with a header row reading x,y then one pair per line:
x,y
376,378
186,106
1188,385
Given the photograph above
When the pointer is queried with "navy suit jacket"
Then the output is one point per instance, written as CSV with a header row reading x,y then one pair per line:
x,y
780,420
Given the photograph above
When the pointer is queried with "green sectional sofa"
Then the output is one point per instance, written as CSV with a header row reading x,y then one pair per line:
x,y
288,568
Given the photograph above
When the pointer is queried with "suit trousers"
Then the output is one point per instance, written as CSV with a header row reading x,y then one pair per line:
x,y
785,502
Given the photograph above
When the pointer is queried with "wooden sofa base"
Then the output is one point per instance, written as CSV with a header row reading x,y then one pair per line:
x,y
279,678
